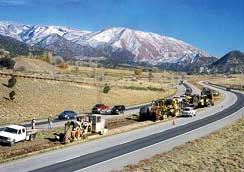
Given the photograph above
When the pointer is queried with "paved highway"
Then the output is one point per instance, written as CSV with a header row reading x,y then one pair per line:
x,y
119,150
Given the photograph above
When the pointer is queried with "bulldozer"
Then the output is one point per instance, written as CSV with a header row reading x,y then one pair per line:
x,y
160,109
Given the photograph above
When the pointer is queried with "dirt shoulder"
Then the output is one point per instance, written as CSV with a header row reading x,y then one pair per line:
x,y
220,151
45,139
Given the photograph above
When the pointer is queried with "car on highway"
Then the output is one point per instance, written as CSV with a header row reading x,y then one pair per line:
x,y
100,108
67,114
215,92
188,112
188,91
115,110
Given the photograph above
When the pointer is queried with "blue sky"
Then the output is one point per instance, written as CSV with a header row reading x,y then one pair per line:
x,y
215,26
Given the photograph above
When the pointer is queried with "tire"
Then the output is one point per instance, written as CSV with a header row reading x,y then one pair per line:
x,y
12,143
32,137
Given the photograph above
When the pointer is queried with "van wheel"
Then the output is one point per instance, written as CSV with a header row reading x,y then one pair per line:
x,y
12,143
31,137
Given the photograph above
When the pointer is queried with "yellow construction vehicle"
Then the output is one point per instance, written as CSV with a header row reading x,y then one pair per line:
x,y
207,96
72,131
85,125
160,109
191,101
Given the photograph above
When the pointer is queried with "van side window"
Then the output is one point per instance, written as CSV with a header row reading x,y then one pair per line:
x,y
98,119
19,131
23,130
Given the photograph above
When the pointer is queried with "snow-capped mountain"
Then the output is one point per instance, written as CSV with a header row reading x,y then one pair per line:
x,y
120,44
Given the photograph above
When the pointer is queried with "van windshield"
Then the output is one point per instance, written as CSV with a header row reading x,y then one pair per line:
x,y
10,130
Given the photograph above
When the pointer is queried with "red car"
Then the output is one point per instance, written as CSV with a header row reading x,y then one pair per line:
x,y
98,108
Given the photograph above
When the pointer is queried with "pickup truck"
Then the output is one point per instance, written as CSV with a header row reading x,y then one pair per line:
x,y
188,111
16,133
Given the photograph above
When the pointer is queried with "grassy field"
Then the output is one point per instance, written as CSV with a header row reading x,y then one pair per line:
x,y
34,65
41,98
221,151
234,81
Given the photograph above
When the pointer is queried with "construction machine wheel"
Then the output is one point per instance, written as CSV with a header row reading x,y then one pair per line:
x,y
177,113
155,117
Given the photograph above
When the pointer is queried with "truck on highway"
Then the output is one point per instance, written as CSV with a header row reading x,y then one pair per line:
x,y
16,133
188,112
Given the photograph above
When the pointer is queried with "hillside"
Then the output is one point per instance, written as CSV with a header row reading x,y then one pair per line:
x,y
118,45
17,48
13,46
34,65
220,151
231,62
40,98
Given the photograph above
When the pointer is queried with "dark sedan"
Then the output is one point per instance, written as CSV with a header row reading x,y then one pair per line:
x,y
68,114
116,110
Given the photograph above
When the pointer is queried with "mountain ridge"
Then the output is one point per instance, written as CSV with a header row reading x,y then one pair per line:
x,y
74,44
232,61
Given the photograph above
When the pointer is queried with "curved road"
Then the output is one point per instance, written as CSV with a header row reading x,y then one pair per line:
x,y
116,151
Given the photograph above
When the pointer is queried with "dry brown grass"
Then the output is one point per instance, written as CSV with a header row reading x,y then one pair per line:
x,y
35,65
234,81
220,151
41,98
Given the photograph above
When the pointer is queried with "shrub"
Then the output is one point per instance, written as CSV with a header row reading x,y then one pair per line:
x,y
11,95
12,81
106,89
7,62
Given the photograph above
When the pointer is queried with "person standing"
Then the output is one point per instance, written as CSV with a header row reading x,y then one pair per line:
x,y
50,121
33,123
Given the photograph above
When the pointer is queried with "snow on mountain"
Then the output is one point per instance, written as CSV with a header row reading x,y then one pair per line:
x,y
111,43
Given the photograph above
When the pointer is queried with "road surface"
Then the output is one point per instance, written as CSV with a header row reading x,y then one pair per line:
x,y
116,151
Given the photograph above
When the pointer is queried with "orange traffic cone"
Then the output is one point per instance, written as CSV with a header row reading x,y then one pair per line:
x,y
173,122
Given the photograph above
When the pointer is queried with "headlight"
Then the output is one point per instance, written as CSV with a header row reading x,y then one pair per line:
x,y
9,139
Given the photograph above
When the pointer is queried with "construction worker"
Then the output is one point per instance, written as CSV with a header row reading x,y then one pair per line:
x,y
33,123
50,121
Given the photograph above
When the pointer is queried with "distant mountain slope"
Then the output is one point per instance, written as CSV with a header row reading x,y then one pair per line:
x,y
13,46
231,62
120,45
16,47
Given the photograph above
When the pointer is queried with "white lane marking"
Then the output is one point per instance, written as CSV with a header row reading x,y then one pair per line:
x,y
160,142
